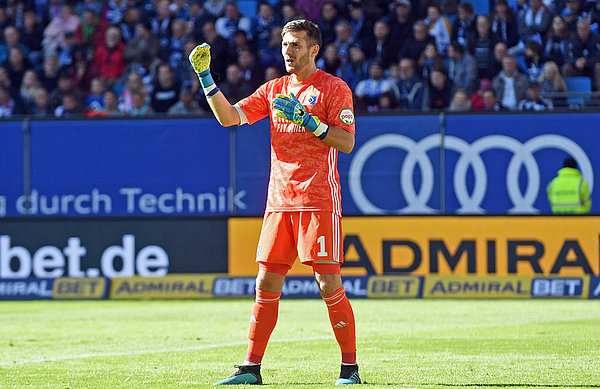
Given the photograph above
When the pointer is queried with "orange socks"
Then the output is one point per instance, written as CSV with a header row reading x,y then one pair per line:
x,y
264,318
342,322
262,323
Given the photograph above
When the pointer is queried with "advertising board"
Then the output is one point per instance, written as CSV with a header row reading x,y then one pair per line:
x,y
205,286
171,286
594,289
491,163
464,164
293,287
26,289
449,245
572,287
515,287
394,287
107,247
11,166
66,288
503,165
129,167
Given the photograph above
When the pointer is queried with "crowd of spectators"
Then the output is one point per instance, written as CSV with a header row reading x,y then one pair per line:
x,y
129,57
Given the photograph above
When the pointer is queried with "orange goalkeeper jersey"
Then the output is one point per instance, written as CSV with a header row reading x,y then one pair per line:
x,y
304,175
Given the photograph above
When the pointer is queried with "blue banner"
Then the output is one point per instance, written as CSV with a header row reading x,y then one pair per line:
x,y
130,167
253,163
26,289
394,168
407,164
492,164
502,164
594,288
11,167
557,287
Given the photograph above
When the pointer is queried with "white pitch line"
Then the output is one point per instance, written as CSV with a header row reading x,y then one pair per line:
x,y
139,352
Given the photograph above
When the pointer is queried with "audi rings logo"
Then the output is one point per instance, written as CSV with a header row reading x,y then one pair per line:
x,y
470,155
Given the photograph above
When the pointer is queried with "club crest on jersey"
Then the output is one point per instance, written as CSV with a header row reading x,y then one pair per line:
x,y
312,100
347,116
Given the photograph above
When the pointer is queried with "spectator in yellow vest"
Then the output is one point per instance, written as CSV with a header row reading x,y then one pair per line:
x,y
569,193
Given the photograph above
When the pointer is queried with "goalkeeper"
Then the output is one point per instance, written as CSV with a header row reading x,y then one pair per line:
x,y
311,119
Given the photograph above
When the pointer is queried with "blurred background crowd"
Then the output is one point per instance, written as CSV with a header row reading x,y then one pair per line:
x,y
129,57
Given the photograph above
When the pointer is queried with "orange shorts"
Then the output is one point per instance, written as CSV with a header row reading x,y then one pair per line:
x,y
314,237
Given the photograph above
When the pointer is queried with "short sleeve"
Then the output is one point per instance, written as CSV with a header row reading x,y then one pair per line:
x,y
256,106
340,112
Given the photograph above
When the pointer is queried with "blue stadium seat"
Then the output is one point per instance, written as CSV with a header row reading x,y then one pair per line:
x,y
481,6
451,18
248,8
579,85
521,63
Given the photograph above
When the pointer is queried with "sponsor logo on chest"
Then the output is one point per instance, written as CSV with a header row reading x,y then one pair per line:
x,y
283,125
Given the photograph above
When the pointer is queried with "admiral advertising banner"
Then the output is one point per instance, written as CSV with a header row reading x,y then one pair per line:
x,y
431,286
26,288
459,245
171,286
204,286
100,248
395,287
80,288
516,287
63,288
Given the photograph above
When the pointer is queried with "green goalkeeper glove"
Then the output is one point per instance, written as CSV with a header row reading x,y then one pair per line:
x,y
200,60
290,108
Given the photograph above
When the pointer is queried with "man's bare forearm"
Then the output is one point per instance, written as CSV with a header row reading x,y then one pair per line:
x,y
340,139
225,113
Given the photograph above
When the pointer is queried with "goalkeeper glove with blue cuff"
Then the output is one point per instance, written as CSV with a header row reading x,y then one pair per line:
x,y
200,60
288,107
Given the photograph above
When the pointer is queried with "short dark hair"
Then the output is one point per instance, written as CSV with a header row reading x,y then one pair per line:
x,y
440,69
466,7
460,49
535,46
312,30
491,90
409,60
376,63
570,162
165,65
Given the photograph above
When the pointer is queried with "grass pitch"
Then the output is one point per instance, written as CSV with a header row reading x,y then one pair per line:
x,y
401,344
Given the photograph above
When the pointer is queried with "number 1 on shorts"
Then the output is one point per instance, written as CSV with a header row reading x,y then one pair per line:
x,y
321,241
